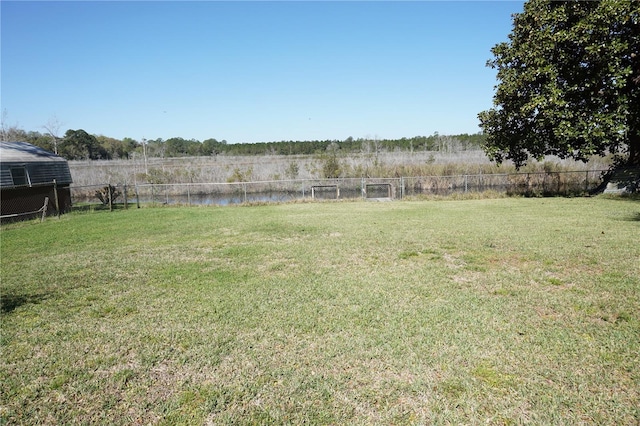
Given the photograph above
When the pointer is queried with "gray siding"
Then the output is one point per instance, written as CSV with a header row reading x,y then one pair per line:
x,y
39,173
5,178
47,172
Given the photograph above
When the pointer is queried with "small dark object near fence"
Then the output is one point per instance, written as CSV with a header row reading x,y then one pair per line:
x,y
108,195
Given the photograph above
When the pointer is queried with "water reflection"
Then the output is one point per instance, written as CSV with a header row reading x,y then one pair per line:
x,y
222,199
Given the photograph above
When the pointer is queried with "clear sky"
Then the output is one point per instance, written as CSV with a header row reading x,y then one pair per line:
x,y
251,71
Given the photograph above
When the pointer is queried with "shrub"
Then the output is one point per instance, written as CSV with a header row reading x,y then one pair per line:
x,y
103,194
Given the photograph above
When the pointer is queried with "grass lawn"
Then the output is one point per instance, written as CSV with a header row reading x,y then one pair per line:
x,y
498,311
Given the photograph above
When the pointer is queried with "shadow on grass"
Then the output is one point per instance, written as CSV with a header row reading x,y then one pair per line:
x,y
84,208
633,217
10,302
634,198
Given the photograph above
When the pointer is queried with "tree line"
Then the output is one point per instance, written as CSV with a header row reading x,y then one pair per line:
x,y
81,145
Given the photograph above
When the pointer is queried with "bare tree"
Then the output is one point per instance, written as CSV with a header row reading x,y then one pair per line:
x,y
3,124
53,129
10,133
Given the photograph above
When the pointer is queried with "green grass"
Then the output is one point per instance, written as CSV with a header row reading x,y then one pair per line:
x,y
503,311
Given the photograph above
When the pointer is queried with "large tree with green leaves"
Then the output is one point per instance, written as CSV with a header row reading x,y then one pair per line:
x,y
568,83
80,145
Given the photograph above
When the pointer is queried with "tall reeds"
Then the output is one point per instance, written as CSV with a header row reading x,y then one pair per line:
x,y
224,168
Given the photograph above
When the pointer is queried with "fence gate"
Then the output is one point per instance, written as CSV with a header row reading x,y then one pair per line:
x,y
378,190
325,192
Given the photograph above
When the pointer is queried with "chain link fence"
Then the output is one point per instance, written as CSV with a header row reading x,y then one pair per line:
x,y
33,201
530,184
24,202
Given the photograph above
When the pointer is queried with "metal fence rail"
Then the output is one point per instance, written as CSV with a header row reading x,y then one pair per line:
x,y
539,183
42,210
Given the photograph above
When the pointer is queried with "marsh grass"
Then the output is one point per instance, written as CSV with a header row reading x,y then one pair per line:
x,y
499,311
225,168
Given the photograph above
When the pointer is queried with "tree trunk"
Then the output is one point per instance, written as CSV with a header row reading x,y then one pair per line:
x,y
634,148
606,178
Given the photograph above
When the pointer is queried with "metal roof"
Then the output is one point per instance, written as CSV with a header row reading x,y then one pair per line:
x,y
23,164
23,152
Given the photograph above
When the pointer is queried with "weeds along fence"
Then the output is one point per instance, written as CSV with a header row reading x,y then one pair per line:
x,y
530,184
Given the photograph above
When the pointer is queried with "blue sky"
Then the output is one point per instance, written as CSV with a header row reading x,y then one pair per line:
x,y
251,71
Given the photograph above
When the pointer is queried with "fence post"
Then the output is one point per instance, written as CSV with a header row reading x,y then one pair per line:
x,y
125,197
110,197
55,195
586,181
137,196
244,187
44,208
189,194
466,183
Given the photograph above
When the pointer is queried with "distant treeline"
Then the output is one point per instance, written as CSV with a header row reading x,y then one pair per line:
x,y
80,145
435,142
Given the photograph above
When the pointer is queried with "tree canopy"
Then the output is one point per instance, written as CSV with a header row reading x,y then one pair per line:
x,y
80,145
568,83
